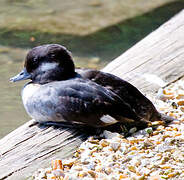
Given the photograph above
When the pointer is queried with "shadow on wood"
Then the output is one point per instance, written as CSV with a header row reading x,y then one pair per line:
x,y
32,146
28,148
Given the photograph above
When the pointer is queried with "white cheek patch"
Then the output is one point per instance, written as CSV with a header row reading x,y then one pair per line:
x,y
108,119
48,66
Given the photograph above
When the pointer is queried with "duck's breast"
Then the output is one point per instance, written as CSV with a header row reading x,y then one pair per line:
x,y
28,91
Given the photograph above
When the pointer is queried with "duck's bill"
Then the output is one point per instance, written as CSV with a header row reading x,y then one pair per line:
x,y
21,76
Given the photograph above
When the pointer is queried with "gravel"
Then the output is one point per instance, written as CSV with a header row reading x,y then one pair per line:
x,y
146,154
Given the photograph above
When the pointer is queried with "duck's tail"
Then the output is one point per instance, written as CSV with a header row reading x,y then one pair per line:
x,y
166,119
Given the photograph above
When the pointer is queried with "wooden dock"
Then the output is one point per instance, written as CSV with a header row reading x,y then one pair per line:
x,y
31,146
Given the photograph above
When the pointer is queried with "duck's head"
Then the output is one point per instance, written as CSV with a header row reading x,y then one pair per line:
x,y
46,63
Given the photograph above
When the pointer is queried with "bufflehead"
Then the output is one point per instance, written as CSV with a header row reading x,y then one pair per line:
x,y
129,93
59,93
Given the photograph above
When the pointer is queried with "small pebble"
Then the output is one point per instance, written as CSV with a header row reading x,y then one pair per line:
x,y
132,130
114,146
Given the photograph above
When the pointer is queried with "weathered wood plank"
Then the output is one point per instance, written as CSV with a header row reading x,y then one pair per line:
x,y
28,148
161,53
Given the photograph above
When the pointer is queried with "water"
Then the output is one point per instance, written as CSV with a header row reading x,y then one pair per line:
x,y
95,31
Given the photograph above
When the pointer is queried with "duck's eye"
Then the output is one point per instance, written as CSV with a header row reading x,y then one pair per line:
x,y
35,59
34,62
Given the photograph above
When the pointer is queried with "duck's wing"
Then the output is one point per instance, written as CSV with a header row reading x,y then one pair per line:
x,y
90,100
130,94
82,101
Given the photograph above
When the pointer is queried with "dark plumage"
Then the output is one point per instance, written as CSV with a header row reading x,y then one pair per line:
x,y
143,107
58,93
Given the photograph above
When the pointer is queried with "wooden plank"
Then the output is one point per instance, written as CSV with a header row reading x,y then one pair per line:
x,y
31,147
161,53
28,148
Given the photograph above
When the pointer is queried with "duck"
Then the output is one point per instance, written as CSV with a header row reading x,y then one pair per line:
x,y
143,107
60,93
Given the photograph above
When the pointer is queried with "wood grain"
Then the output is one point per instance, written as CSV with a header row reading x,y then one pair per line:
x,y
30,147
161,53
